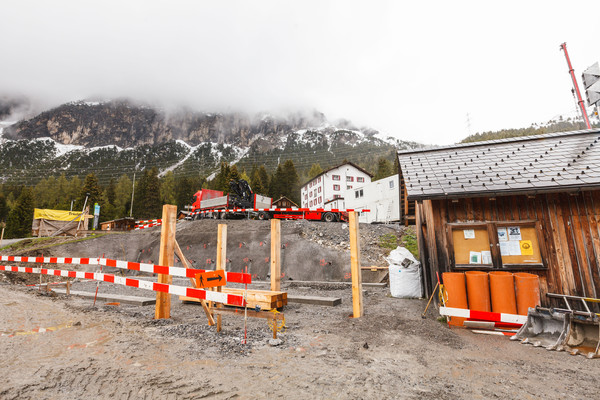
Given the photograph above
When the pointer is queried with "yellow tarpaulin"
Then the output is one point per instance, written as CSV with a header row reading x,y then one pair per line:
x,y
58,215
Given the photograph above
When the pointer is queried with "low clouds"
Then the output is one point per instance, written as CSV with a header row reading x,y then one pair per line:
x,y
406,70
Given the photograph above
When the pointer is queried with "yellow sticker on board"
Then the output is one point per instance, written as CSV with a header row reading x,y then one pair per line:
x,y
526,248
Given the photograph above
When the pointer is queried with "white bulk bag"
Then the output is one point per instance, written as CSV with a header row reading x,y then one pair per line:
x,y
405,274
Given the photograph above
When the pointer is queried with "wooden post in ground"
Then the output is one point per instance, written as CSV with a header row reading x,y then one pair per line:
x,y
2,234
276,255
166,258
357,303
221,259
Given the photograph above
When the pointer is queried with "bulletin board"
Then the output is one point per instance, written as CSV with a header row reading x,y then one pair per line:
x,y
469,240
526,249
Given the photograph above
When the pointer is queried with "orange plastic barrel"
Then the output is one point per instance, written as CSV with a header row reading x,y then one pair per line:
x,y
502,291
528,291
478,291
454,283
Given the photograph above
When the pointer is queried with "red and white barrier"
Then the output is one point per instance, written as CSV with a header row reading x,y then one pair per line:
x,y
237,277
119,280
148,221
497,333
483,315
137,227
296,209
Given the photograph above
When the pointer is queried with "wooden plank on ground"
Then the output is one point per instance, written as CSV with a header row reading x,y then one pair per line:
x,y
250,313
315,300
133,300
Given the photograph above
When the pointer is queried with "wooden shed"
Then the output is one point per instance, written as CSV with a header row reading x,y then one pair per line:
x,y
284,202
121,224
529,204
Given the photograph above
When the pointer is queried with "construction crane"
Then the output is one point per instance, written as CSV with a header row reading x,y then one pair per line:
x,y
576,86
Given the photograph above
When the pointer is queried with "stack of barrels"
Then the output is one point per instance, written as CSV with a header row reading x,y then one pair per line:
x,y
496,291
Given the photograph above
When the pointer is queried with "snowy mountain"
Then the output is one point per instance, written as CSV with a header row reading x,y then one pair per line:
x,y
113,137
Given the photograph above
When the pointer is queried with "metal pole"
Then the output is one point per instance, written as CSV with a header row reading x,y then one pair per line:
x,y
132,192
576,86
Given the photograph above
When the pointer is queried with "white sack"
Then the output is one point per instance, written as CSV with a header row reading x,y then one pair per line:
x,y
405,274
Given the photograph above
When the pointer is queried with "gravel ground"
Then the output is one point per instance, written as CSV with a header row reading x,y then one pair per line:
x,y
121,352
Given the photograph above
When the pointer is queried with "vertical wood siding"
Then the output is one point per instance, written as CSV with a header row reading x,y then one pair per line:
x,y
568,226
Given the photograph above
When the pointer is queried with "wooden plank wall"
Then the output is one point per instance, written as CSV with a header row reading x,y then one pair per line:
x,y
569,226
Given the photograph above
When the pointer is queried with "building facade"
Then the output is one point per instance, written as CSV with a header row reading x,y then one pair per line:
x,y
381,198
332,184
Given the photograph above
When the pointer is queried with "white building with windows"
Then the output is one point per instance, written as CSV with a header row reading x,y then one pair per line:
x,y
381,197
327,189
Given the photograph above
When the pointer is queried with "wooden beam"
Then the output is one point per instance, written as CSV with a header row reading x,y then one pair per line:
x,y
185,262
276,255
221,259
250,313
166,258
357,303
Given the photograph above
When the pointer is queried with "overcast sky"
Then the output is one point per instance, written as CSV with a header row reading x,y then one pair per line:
x,y
413,71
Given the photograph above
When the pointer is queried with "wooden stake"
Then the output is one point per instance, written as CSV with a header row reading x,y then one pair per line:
x,y
166,258
357,303
68,287
2,236
221,259
185,262
276,255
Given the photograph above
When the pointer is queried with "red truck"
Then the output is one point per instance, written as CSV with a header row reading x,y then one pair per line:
x,y
241,202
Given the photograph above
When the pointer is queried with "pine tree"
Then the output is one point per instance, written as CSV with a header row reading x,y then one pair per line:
x,y
184,190
123,196
315,170
62,186
263,175
92,190
256,183
153,201
73,192
233,174
384,169
111,192
20,218
276,183
4,210
167,188
290,181
147,202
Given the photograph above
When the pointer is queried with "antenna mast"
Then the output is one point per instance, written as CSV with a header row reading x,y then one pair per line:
x,y
576,86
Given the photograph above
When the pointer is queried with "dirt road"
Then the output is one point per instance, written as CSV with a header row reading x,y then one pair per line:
x,y
121,352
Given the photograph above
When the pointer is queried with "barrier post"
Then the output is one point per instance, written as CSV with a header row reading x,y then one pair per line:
x,y
166,258
357,303
276,255
221,259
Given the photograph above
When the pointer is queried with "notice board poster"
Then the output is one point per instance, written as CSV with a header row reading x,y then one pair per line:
x,y
471,246
519,245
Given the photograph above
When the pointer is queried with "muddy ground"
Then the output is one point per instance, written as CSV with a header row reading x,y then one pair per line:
x,y
121,352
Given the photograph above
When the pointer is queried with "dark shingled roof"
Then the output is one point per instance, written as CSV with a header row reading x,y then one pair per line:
x,y
552,162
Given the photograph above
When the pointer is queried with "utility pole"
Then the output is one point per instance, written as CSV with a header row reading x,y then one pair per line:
x,y
576,86
132,193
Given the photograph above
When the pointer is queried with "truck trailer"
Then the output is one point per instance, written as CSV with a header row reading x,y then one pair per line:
x,y
241,202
